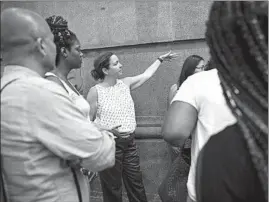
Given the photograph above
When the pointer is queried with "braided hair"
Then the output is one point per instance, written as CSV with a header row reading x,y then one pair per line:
x,y
63,37
237,35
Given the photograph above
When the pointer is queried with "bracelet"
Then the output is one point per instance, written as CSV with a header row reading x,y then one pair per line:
x,y
160,59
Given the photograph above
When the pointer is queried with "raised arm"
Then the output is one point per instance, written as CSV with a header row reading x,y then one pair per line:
x,y
61,127
137,81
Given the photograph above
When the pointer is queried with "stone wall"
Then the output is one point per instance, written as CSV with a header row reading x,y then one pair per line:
x,y
138,32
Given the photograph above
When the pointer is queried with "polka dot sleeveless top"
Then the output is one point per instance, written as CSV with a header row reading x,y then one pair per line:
x,y
115,106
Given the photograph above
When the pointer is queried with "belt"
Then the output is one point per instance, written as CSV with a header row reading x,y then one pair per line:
x,y
125,137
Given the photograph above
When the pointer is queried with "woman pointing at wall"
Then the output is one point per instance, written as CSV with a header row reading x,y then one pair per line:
x,y
112,104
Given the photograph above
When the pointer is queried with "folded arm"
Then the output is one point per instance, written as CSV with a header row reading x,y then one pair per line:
x,y
179,123
63,129
182,115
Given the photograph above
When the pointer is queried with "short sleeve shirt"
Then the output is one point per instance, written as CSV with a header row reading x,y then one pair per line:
x,y
203,91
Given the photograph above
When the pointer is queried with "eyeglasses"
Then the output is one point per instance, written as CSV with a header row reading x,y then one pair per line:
x,y
200,67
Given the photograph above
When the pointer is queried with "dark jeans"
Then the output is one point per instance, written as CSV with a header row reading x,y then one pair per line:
x,y
126,168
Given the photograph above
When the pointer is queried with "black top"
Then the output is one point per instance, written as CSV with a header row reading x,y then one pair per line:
x,y
225,170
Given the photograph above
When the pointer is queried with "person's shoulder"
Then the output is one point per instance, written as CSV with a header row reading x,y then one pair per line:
x,y
93,91
122,81
47,85
34,91
203,79
203,76
39,88
94,88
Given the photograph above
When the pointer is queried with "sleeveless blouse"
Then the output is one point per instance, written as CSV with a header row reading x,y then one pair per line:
x,y
115,106
75,96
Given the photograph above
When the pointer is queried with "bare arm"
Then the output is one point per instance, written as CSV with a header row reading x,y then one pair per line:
x,y
171,94
137,81
179,123
92,99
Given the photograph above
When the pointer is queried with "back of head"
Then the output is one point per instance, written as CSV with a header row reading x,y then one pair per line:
x,y
237,34
24,37
101,62
63,37
188,68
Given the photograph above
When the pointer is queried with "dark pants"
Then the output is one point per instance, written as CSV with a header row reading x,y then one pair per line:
x,y
126,169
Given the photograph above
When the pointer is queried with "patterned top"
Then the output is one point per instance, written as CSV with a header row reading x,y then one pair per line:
x,y
115,106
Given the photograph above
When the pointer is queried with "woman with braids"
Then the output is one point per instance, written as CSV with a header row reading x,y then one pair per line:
x,y
237,34
69,56
112,104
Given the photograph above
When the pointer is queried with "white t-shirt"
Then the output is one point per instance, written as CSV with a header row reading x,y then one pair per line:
x,y
203,91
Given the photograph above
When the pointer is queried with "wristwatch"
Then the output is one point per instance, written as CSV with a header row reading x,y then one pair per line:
x,y
160,59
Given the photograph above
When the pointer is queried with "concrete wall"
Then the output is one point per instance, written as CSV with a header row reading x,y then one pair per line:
x,y
138,32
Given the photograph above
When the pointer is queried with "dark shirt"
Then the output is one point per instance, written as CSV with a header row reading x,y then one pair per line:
x,y
225,170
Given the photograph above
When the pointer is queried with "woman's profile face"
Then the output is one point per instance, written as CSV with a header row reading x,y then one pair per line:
x,y
75,55
115,67
200,67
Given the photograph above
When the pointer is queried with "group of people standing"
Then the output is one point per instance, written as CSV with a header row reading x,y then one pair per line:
x,y
50,133
37,146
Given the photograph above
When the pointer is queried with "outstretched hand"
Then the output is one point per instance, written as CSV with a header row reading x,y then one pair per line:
x,y
169,56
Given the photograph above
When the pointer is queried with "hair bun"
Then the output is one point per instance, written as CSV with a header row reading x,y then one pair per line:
x,y
95,74
57,23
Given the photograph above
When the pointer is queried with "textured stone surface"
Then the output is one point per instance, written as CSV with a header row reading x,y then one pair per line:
x,y
114,25
108,23
151,98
